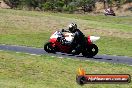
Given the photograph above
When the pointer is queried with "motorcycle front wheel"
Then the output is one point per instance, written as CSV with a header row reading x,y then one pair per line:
x,y
48,47
90,51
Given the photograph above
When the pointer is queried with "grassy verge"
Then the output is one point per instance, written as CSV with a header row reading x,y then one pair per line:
x,y
36,39
99,18
98,22
25,71
34,28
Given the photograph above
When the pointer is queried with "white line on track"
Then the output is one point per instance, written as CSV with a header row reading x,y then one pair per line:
x,y
68,58
86,60
33,54
18,52
52,56
60,57
27,53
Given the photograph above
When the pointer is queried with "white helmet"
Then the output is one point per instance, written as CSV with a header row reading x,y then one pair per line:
x,y
72,27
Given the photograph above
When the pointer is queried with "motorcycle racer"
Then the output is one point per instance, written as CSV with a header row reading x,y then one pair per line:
x,y
109,11
78,38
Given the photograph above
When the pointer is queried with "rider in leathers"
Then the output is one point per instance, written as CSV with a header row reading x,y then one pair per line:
x,y
78,39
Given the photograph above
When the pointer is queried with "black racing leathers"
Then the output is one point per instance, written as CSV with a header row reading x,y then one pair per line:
x,y
78,40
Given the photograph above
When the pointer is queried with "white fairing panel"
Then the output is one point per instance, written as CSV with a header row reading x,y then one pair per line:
x,y
94,38
56,35
69,36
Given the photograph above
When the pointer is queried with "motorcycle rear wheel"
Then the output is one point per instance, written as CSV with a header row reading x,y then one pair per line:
x,y
90,51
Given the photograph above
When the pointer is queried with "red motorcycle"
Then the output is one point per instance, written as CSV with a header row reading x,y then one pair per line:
x,y
54,45
109,11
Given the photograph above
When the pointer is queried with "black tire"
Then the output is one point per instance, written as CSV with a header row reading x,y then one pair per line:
x,y
90,51
114,14
105,14
48,47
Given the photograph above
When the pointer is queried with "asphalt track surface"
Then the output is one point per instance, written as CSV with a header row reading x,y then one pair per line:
x,y
39,51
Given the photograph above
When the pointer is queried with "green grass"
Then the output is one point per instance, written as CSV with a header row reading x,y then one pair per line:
x,y
99,18
36,39
26,71
100,21
30,28
115,46
120,23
